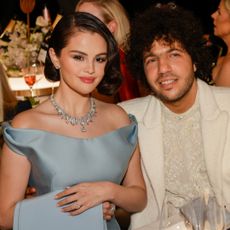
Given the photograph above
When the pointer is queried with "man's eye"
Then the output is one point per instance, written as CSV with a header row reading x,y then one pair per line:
x,y
175,55
150,60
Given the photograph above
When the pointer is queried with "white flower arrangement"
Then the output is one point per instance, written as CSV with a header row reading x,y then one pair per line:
x,y
16,53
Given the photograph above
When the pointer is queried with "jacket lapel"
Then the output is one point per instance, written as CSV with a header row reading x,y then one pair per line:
x,y
214,126
150,131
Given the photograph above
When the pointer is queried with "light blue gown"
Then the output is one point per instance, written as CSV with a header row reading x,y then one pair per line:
x,y
58,161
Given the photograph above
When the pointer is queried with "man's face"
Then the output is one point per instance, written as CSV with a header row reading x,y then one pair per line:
x,y
170,73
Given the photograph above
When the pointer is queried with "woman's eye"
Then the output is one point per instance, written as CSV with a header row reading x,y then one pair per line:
x,y
78,58
101,59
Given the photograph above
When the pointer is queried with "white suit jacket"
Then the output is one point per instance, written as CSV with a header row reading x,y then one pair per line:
x,y
215,113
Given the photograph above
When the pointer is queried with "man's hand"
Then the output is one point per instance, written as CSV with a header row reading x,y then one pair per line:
x,y
30,192
108,210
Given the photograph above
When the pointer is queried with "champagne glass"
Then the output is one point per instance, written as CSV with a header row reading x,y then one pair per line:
x,y
172,218
194,211
214,215
204,213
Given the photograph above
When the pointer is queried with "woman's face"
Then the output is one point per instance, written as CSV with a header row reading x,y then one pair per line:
x,y
221,21
82,62
91,8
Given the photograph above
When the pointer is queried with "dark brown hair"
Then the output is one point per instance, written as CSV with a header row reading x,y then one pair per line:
x,y
81,21
170,23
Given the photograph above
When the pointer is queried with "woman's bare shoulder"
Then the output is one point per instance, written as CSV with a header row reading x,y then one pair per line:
x,y
114,113
32,117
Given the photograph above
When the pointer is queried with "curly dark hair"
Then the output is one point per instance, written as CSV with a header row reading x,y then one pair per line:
x,y
170,23
79,21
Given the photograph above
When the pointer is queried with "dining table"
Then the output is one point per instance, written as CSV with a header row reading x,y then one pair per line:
x,y
42,87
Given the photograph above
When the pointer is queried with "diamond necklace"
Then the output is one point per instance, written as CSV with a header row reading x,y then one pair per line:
x,y
82,121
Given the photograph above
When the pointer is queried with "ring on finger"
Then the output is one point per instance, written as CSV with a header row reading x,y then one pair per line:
x,y
76,205
113,207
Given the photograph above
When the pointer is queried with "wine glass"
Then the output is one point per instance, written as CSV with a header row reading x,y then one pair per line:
x,y
30,77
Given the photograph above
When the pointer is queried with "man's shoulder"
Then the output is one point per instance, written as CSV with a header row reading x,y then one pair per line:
x,y
135,104
222,96
221,92
138,106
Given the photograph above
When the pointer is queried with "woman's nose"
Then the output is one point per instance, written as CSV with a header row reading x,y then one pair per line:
x,y
213,15
90,67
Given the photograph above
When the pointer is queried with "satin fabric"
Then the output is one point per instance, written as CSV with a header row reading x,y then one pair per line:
x,y
59,161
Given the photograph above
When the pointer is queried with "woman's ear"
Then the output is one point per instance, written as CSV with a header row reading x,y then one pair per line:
x,y
54,58
112,25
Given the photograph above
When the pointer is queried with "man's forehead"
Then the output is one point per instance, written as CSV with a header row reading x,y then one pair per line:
x,y
164,43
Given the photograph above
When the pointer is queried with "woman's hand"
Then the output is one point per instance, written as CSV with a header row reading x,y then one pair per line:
x,y
83,196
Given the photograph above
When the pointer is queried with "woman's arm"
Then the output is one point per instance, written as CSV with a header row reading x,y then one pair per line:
x,y
131,195
14,175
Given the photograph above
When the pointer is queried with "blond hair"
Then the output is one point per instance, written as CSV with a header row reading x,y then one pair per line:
x,y
227,5
8,100
113,10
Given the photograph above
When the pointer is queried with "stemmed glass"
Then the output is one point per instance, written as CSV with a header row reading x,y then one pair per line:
x,y
194,211
204,213
30,78
171,219
201,213
214,215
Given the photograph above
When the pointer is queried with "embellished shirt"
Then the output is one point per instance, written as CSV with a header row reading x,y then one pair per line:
x,y
185,172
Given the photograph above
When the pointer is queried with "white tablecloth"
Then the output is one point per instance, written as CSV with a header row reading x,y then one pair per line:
x,y
18,83
42,87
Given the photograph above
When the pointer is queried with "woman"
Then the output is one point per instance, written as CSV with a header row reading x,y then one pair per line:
x,y
221,21
113,14
71,141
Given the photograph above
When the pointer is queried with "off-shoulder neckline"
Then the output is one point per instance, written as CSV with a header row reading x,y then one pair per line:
x,y
8,125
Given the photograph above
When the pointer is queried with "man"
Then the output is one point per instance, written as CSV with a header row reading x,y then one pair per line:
x,y
184,131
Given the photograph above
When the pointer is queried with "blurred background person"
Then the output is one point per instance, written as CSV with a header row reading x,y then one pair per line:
x,y
221,23
11,105
114,15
